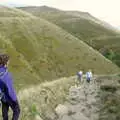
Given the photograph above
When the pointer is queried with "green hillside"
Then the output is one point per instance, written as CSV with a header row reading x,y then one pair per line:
x,y
80,24
109,46
83,26
42,51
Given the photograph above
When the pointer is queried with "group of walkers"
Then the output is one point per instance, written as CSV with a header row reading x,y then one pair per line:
x,y
8,96
88,76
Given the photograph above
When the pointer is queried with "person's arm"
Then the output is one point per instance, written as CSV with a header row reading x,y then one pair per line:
x,y
0,94
11,90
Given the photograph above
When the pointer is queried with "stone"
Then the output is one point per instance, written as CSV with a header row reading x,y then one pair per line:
x,y
61,110
79,116
37,117
66,117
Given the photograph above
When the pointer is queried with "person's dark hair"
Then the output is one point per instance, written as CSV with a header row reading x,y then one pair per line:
x,y
4,58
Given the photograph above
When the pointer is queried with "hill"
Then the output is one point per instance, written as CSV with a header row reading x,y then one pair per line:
x,y
42,51
75,22
98,100
83,26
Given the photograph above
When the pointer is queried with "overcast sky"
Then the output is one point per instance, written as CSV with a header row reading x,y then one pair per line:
x,y
107,10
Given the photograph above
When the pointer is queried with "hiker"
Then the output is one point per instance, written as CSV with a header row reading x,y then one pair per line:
x,y
89,76
79,74
8,94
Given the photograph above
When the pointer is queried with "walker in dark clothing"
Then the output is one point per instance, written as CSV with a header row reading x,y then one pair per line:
x,y
88,80
9,98
15,108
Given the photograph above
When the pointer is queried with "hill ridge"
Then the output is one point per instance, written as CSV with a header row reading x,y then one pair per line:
x,y
85,27
50,51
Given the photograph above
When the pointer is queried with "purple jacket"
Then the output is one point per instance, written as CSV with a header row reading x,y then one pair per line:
x,y
6,79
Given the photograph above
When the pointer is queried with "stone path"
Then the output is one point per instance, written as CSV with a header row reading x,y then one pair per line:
x,y
81,103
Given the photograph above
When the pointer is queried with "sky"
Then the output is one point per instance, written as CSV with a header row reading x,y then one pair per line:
x,y
107,10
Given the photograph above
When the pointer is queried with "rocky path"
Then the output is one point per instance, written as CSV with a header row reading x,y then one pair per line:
x,y
82,103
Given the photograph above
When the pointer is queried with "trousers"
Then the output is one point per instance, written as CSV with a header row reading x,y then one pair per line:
x,y
15,108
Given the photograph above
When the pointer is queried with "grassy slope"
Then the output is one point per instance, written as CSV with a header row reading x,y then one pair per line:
x,y
42,99
82,25
41,50
110,98
107,44
20,67
45,97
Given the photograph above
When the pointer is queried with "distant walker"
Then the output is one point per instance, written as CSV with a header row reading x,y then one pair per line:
x,y
79,76
89,76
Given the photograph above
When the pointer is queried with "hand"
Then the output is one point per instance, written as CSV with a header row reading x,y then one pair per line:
x,y
0,104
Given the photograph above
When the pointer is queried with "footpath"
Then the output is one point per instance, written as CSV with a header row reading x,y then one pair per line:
x,y
82,103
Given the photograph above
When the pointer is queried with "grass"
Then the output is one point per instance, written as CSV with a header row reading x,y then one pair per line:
x,y
108,44
41,100
44,98
82,25
18,65
110,101
111,107
42,51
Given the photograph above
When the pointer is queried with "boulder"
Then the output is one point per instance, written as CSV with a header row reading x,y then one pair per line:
x,y
66,117
37,117
79,116
61,110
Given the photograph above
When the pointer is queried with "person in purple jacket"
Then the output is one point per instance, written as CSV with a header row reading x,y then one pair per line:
x,y
9,98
